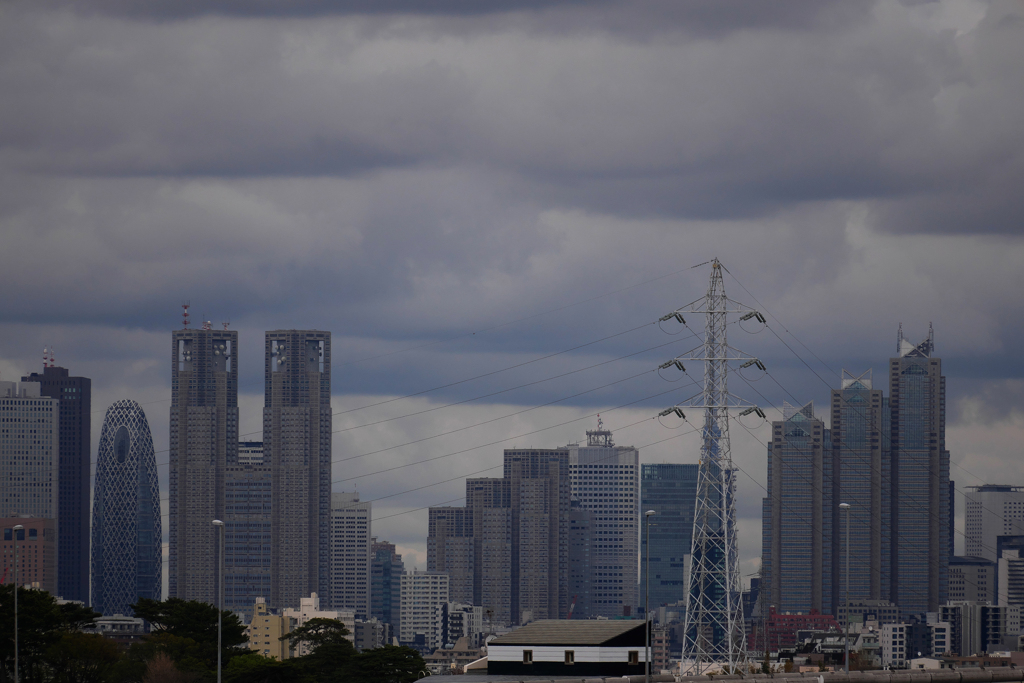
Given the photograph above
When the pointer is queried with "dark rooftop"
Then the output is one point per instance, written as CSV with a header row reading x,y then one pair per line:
x,y
568,632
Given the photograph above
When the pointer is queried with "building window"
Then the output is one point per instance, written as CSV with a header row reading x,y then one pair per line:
x,y
570,656
527,656
634,657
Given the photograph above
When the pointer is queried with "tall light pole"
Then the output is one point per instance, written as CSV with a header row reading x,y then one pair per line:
x,y
17,672
647,601
845,507
220,595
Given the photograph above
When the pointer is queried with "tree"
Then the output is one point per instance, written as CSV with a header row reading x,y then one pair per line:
x,y
186,631
329,649
255,668
82,658
41,624
388,664
191,619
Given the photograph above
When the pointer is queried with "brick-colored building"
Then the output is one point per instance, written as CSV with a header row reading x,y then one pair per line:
x,y
37,552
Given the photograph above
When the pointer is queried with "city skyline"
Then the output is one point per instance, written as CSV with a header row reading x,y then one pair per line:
x,y
458,194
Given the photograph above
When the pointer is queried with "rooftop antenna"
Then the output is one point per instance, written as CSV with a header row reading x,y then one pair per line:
x,y
207,325
226,325
184,315
600,423
899,339
45,352
53,363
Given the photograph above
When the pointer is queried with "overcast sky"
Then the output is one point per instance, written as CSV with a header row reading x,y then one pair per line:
x,y
456,188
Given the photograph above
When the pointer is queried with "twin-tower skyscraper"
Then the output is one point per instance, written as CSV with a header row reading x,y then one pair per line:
x,y
275,501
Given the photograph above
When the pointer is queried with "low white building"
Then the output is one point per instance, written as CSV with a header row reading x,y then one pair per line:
x,y
309,608
580,649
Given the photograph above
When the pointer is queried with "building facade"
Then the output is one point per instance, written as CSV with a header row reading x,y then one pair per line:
x,y
450,549
605,479
386,570
248,508
127,530
29,452
671,491
972,579
36,552
422,594
991,511
74,395
297,447
265,631
309,608
350,554
797,526
861,463
920,478
203,441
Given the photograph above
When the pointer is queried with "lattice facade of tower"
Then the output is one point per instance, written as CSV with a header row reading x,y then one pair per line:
x,y
671,491
863,469
127,533
797,529
350,553
605,479
297,446
75,397
203,441
920,477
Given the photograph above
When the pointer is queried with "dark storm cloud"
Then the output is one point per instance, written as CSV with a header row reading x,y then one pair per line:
x,y
741,125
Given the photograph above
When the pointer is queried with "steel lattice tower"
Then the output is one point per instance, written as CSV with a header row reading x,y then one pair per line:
x,y
713,628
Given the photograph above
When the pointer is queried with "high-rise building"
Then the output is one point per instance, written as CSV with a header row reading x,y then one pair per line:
x,y
920,478
350,554
386,570
75,397
203,441
605,479
248,508
490,506
422,593
581,531
540,497
796,564
991,510
29,452
297,447
450,549
127,535
671,491
860,455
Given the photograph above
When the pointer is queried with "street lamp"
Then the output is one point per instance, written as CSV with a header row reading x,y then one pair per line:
x,y
17,673
220,595
647,602
845,507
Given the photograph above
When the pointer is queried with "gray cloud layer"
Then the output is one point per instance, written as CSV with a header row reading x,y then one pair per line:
x,y
407,174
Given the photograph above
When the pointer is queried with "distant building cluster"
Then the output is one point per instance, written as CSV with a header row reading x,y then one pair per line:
x,y
561,536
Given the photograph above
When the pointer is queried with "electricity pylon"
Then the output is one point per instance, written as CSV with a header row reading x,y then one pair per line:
x,y
713,628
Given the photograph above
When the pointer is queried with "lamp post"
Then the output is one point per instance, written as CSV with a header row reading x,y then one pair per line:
x,y
220,595
845,507
17,672
647,601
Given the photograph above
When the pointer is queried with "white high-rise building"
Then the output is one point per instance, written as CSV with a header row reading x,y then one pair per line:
x,y
350,554
29,451
422,593
605,479
992,510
